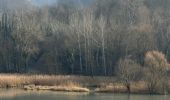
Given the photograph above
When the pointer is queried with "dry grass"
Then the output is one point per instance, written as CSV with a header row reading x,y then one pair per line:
x,y
68,83
136,87
139,87
11,93
111,87
51,82
70,88
42,82
19,80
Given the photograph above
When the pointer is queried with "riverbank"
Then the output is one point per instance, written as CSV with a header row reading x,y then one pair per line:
x,y
19,94
136,88
70,88
52,82
69,84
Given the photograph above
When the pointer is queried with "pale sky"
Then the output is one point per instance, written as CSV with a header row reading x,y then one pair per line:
x,y
42,2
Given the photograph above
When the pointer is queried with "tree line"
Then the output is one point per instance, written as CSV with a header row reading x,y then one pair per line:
x,y
69,37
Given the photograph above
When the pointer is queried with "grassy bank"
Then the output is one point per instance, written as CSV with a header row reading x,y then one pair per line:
x,y
136,87
70,88
69,83
17,80
52,82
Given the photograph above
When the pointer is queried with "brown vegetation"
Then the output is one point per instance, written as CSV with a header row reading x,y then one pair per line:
x,y
128,71
156,72
17,80
114,88
136,87
51,82
70,84
69,88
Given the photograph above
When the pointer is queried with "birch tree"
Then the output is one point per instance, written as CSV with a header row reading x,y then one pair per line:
x,y
76,25
102,27
128,71
88,20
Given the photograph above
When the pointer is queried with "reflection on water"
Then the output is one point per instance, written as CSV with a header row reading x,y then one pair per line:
x,y
17,94
9,93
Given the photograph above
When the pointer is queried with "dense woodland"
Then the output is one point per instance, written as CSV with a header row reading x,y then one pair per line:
x,y
85,38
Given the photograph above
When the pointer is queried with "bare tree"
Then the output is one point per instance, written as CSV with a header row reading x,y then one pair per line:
x,y
88,20
102,27
156,72
76,25
26,37
128,71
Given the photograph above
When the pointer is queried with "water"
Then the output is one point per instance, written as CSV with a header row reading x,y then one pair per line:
x,y
15,94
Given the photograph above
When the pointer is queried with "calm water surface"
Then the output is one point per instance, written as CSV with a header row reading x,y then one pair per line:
x,y
15,94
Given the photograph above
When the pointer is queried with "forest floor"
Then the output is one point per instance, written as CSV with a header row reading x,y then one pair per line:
x,y
69,83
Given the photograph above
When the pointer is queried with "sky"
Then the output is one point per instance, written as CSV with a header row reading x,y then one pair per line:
x,y
43,2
